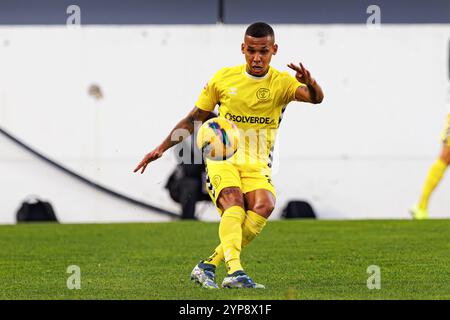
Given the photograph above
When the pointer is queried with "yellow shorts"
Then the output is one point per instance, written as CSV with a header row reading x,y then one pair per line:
x,y
446,133
247,177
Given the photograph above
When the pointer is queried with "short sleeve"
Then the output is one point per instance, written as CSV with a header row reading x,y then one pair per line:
x,y
210,95
291,86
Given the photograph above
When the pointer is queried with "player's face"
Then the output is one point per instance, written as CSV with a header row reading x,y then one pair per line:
x,y
258,53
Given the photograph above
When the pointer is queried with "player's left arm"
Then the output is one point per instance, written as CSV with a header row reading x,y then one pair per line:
x,y
311,92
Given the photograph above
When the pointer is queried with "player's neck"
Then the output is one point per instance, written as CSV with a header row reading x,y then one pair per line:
x,y
256,76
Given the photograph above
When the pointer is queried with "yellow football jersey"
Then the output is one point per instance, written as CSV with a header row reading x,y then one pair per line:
x,y
254,104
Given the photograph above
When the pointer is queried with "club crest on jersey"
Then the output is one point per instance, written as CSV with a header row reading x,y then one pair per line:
x,y
263,94
233,91
216,181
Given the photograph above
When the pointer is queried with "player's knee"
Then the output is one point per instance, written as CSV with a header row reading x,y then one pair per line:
x,y
445,155
446,159
263,207
230,197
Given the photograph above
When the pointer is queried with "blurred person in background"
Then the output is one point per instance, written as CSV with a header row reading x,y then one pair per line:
x,y
435,174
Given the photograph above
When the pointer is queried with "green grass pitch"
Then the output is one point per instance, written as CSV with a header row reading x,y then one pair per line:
x,y
294,259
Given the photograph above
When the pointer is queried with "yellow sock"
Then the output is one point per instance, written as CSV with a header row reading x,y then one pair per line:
x,y
230,234
217,257
252,226
434,177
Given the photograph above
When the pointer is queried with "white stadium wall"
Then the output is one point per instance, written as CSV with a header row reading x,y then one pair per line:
x,y
363,153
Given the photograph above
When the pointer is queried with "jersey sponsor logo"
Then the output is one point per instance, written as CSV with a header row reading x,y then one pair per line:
x,y
249,119
263,94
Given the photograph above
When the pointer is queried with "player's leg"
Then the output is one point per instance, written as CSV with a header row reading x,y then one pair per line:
x,y
223,183
231,203
435,174
259,201
254,179
260,204
224,186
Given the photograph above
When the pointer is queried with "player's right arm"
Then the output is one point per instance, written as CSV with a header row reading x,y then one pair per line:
x,y
187,123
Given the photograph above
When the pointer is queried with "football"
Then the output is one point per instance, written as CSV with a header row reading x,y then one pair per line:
x,y
218,139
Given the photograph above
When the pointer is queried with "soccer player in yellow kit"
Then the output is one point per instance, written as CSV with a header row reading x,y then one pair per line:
x,y
437,170
254,97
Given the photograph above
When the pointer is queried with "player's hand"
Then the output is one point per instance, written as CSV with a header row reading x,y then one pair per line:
x,y
149,157
302,74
